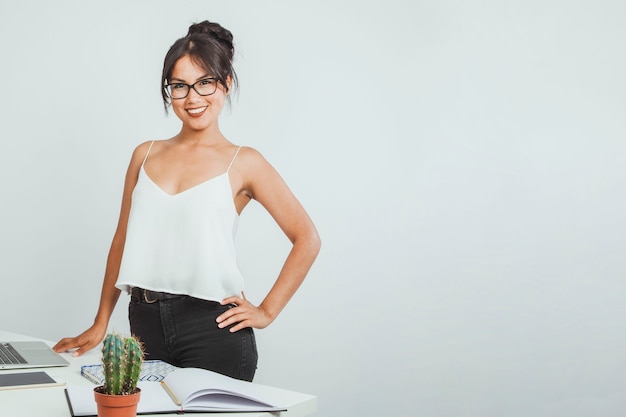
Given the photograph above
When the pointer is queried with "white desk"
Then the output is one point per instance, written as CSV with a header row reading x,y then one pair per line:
x,y
51,402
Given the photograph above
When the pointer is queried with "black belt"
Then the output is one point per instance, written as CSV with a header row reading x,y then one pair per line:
x,y
147,296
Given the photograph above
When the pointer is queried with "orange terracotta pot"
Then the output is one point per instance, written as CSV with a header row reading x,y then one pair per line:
x,y
116,405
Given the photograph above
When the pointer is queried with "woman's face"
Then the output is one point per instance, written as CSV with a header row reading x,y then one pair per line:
x,y
195,111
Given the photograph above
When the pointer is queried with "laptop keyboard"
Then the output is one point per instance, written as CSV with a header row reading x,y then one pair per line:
x,y
9,356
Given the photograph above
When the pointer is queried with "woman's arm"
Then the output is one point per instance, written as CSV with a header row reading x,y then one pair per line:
x,y
262,183
91,337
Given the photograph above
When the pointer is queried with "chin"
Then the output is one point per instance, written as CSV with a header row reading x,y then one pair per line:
x,y
199,126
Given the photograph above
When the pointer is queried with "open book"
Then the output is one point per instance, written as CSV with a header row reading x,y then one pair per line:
x,y
191,390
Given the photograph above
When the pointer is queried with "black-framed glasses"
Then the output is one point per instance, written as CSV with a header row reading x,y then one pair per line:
x,y
204,87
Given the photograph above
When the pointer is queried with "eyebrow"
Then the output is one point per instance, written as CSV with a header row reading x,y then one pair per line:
x,y
207,75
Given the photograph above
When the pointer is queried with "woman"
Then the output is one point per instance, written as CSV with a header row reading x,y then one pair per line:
x,y
173,249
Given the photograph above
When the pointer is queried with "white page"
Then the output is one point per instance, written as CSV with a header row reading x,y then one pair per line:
x,y
155,399
82,401
192,383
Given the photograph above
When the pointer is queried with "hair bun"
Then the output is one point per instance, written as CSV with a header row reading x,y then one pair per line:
x,y
212,30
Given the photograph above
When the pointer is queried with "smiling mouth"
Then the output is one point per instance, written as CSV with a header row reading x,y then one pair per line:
x,y
197,111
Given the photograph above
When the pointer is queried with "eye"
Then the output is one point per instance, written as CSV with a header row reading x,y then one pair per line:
x,y
177,86
206,82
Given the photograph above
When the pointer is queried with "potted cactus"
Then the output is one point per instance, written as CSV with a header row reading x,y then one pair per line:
x,y
121,362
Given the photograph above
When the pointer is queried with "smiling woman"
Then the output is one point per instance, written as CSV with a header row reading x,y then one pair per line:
x,y
210,47
173,250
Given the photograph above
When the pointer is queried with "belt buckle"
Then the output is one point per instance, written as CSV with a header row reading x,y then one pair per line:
x,y
145,297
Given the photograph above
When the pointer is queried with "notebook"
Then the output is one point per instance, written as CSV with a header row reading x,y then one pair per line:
x,y
16,355
151,371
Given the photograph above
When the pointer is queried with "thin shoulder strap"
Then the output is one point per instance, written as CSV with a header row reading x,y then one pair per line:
x,y
146,157
231,162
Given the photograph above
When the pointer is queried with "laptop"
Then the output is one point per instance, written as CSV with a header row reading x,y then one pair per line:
x,y
17,355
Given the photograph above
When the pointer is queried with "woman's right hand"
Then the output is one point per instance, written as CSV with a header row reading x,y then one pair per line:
x,y
91,337
84,342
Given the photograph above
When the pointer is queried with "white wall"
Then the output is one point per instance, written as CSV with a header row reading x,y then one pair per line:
x,y
463,162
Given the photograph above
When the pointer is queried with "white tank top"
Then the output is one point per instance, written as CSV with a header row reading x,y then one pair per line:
x,y
182,243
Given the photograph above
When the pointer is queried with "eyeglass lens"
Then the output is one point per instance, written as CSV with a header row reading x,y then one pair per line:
x,y
204,87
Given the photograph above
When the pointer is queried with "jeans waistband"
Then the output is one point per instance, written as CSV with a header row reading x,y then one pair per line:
x,y
147,296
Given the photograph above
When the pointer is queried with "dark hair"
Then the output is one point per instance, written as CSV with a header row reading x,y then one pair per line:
x,y
210,46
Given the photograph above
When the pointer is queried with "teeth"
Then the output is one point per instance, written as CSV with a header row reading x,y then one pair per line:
x,y
196,111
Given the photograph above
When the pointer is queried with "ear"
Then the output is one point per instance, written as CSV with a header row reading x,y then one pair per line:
x,y
229,83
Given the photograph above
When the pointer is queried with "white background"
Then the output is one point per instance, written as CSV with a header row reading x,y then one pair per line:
x,y
463,162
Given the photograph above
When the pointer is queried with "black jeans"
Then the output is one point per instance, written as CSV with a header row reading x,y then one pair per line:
x,y
183,332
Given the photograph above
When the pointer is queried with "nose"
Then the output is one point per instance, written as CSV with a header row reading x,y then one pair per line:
x,y
194,93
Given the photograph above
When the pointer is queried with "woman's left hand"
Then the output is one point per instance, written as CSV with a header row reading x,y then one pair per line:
x,y
244,315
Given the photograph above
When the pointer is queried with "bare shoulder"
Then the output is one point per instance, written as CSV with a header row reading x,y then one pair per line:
x,y
251,160
141,150
260,180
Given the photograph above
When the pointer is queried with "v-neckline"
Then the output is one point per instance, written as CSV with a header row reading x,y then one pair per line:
x,y
186,189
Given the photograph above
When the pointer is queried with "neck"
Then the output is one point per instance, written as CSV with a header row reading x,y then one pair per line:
x,y
210,135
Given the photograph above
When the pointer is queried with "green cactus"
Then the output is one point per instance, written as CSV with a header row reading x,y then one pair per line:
x,y
121,360
134,358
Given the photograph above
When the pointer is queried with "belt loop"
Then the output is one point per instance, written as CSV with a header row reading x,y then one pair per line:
x,y
145,297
